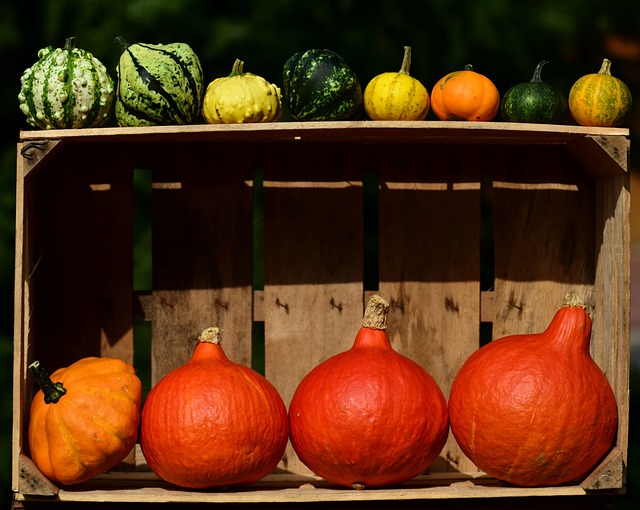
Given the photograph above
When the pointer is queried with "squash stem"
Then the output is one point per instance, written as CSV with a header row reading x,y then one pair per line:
x,y
122,42
537,74
375,315
237,69
406,61
606,67
70,43
210,335
52,391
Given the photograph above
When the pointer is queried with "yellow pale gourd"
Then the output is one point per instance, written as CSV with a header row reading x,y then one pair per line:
x,y
241,98
396,96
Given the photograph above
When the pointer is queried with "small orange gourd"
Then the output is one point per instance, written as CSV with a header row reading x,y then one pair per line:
x,y
600,99
213,422
369,416
84,419
465,95
535,409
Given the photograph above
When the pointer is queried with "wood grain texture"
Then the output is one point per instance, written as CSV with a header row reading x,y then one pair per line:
x,y
202,248
430,262
313,263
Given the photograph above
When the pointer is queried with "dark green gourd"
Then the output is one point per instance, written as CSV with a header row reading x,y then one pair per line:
x,y
158,84
319,85
534,101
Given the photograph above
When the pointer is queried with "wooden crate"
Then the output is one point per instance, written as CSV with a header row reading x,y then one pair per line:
x,y
278,233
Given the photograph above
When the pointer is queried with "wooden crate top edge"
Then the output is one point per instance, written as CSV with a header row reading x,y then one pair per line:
x,y
363,131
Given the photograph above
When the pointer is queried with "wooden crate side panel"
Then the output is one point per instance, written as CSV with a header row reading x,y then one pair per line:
x,y
202,241
80,276
76,265
430,262
610,344
543,215
313,262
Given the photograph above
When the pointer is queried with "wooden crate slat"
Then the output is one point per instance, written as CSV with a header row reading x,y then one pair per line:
x,y
313,263
543,214
430,263
202,238
81,269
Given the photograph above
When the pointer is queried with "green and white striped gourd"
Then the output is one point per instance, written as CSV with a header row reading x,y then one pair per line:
x,y
158,84
66,88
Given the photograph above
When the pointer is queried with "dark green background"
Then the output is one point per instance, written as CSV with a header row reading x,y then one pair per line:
x,y
503,39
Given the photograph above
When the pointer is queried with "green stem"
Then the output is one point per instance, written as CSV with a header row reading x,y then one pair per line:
x,y
468,67
70,43
122,42
406,61
537,74
237,69
52,391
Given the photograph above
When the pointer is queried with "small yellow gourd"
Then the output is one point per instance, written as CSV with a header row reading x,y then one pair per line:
x,y
241,98
397,96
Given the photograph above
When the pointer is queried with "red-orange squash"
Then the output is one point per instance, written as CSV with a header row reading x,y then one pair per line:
x,y
600,99
465,95
84,419
369,416
213,422
535,409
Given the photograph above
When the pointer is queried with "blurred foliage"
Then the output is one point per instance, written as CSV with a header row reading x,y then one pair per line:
x,y
503,39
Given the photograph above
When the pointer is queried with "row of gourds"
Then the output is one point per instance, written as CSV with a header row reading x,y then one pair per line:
x,y
161,84
529,409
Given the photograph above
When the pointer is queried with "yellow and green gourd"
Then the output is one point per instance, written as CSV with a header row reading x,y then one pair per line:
x,y
66,88
158,84
600,99
241,98
396,96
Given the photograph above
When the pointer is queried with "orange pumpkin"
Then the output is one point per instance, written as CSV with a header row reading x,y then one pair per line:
x,y
465,95
213,422
535,409
600,99
86,421
369,416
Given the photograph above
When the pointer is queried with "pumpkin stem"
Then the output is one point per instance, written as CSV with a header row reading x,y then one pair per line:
x,y
52,391
122,42
537,74
237,69
606,67
571,299
406,61
70,43
375,315
468,67
210,335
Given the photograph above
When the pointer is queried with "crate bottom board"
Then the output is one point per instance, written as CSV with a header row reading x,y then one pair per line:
x,y
286,488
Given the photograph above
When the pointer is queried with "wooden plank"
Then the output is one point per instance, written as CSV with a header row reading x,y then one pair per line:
x,y
20,323
430,262
32,481
307,493
313,302
201,238
543,210
80,275
610,344
346,131
609,474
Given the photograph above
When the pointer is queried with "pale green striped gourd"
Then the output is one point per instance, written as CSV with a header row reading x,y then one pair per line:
x,y
158,84
66,88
